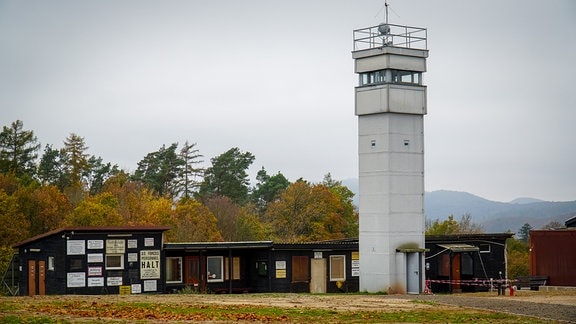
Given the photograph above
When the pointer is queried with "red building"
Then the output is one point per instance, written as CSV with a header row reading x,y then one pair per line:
x,y
552,254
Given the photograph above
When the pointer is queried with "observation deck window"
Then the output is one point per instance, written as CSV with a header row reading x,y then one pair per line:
x,y
390,76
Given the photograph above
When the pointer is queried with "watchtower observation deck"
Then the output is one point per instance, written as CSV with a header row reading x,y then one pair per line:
x,y
385,35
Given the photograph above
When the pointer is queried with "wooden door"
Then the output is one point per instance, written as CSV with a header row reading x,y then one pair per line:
x,y
193,274
456,272
42,277
32,278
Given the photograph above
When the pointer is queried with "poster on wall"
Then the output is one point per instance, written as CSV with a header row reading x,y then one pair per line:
x,y
355,264
94,271
75,247
132,244
148,241
96,282
136,288
150,264
95,257
75,279
95,244
132,257
114,281
150,285
115,246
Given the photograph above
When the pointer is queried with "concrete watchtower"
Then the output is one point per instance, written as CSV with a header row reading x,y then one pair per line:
x,y
390,102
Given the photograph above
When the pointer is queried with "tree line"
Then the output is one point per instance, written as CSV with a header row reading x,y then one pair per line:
x,y
43,188
41,191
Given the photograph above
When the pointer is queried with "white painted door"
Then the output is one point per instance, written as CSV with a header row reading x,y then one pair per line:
x,y
318,276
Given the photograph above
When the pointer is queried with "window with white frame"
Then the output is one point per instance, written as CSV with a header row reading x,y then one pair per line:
x,y
337,268
173,269
215,268
114,261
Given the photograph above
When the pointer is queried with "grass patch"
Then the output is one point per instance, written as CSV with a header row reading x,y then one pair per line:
x,y
88,309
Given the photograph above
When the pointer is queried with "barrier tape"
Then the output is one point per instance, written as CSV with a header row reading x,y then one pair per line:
x,y
492,284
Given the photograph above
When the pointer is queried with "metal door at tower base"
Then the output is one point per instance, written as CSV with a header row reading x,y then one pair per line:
x,y
318,276
413,273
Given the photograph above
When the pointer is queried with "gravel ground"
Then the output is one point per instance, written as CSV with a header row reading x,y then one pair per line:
x,y
537,307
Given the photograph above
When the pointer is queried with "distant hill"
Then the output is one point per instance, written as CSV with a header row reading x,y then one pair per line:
x,y
525,200
497,216
494,216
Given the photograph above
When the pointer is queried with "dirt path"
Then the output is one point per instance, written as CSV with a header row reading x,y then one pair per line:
x,y
550,306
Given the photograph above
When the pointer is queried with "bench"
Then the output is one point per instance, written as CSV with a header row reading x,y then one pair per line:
x,y
532,282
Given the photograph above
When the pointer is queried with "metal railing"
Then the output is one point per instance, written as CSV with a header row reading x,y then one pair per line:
x,y
390,35
10,280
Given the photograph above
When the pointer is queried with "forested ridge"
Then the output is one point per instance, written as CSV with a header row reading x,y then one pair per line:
x,y
47,187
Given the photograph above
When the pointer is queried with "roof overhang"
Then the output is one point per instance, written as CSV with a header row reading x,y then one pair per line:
x,y
459,247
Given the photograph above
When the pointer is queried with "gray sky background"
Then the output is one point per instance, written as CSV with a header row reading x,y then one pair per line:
x,y
276,78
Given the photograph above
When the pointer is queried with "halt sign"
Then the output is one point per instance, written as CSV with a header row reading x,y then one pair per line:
x,y
150,264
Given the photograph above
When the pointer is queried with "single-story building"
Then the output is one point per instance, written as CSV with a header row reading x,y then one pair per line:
x,y
263,266
465,262
112,260
92,260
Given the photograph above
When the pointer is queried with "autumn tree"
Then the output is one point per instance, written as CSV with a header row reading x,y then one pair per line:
x,y
446,227
14,226
18,150
346,196
250,228
45,207
451,226
268,188
228,176
306,212
99,210
134,199
517,258
193,222
160,171
190,172
226,213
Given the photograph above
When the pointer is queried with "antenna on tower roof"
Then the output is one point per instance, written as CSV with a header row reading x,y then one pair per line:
x,y
384,28
386,6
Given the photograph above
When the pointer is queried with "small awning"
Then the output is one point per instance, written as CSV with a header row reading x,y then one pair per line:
x,y
459,247
412,250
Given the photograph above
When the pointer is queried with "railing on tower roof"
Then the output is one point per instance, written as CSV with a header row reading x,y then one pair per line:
x,y
390,35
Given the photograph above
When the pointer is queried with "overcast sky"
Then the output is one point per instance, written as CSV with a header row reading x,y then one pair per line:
x,y
276,78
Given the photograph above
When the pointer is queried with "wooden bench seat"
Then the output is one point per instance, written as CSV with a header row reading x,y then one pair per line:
x,y
532,282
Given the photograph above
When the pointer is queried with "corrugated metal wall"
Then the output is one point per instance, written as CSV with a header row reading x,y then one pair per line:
x,y
553,253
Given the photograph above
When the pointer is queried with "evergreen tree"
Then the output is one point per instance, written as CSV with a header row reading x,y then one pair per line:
x,y
524,232
75,158
227,176
18,150
268,188
160,171
99,173
188,182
